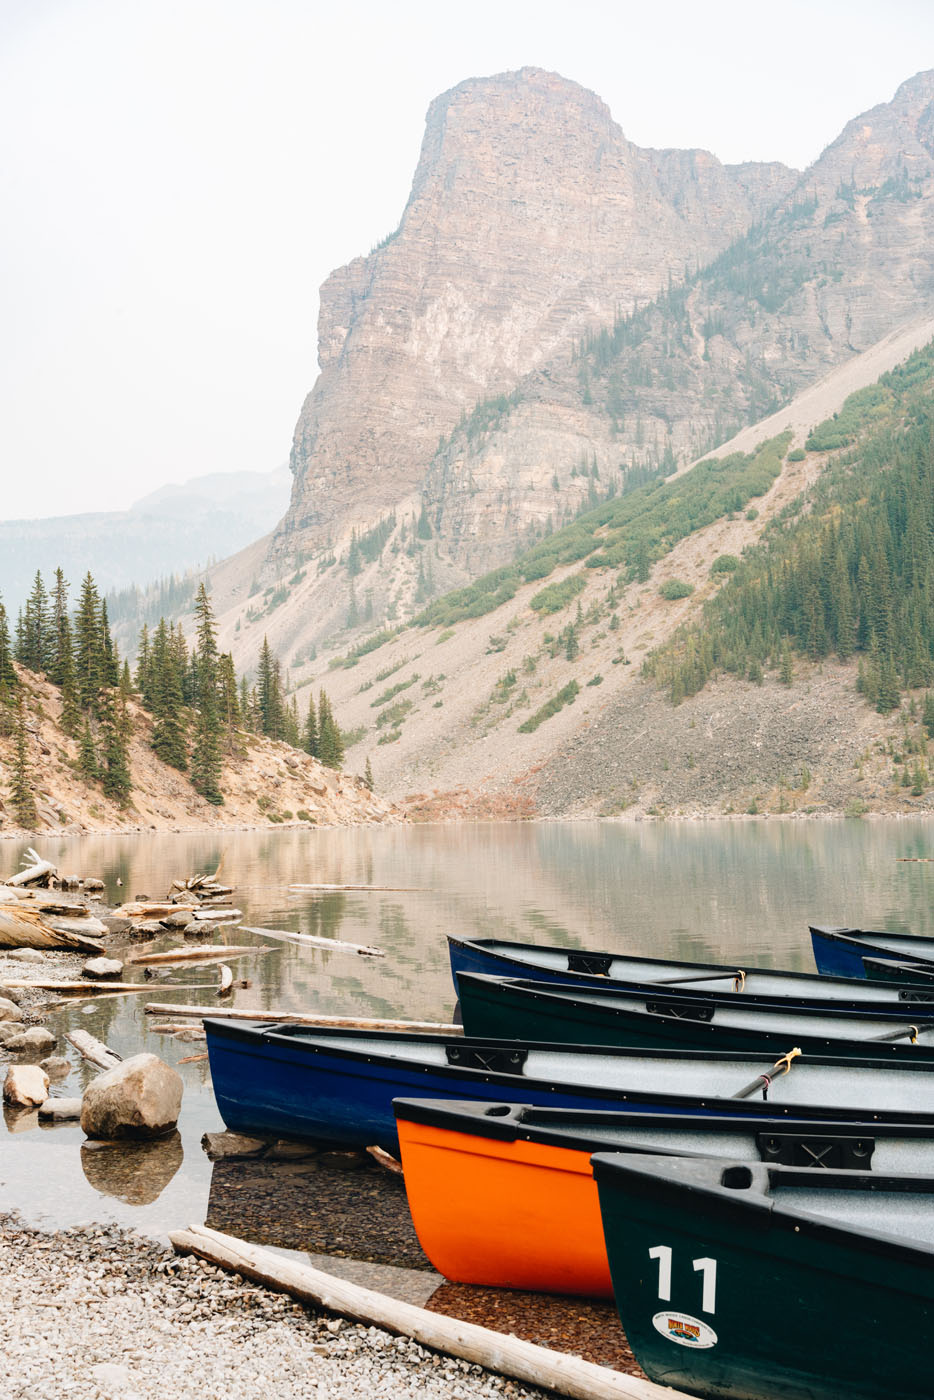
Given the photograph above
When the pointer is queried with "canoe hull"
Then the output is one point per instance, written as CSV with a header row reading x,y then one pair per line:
x,y
506,1215
839,952
740,1300
338,1086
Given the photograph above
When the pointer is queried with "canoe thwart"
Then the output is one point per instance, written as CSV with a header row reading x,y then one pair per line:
x,y
781,1066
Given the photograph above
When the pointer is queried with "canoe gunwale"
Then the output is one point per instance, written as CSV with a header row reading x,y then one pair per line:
x,y
531,1122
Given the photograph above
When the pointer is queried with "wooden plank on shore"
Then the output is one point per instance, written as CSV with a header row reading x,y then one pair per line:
x,y
311,940
505,1355
299,1018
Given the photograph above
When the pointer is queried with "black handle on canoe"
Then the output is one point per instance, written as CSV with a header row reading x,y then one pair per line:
x,y
737,976
763,1081
910,1031
703,976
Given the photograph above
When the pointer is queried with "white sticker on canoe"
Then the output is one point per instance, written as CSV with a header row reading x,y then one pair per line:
x,y
684,1329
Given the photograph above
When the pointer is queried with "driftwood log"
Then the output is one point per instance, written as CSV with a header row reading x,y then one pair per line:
x,y
192,955
94,1050
26,928
299,1018
507,1356
311,940
39,870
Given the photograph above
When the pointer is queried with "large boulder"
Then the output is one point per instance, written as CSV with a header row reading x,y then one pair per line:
x,y
9,1011
25,1086
139,1098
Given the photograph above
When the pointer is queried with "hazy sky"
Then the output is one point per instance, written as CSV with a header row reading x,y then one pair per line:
x,y
179,176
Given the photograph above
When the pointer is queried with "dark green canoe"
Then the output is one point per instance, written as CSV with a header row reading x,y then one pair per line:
x,y
769,1283
499,1007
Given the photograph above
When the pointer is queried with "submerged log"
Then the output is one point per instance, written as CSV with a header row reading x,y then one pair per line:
x,y
298,1018
396,889
94,1050
505,1355
191,955
311,940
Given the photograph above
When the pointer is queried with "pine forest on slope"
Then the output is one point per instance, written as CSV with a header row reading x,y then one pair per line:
x,y
68,689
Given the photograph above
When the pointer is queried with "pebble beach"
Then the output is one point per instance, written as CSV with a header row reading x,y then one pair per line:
x,y
99,1312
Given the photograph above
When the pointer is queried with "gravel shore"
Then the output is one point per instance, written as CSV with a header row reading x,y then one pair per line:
x,y
100,1312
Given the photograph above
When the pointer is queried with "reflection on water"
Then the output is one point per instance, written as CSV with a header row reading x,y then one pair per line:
x,y
136,1172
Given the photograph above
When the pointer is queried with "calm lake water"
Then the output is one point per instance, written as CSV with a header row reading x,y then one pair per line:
x,y
736,891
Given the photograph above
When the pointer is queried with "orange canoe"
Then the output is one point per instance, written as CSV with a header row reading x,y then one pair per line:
x,y
514,1214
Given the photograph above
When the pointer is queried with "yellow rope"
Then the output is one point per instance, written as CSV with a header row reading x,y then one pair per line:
x,y
784,1064
739,981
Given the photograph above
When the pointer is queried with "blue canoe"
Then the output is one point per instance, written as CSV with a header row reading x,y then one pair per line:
x,y
337,1086
738,985
839,952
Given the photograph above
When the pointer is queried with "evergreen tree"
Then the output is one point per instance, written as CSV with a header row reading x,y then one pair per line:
x,y
61,652
115,750
111,662
36,637
206,757
21,794
368,774
330,740
311,727
267,686
229,702
144,666
165,690
90,656
87,755
927,717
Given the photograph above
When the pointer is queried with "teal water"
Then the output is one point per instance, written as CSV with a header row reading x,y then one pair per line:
x,y
733,891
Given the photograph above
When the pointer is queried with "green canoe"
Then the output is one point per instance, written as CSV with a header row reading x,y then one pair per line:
x,y
769,1283
500,1007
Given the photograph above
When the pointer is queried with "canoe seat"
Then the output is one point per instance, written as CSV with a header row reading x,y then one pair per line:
x,y
597,964
834,1152
681,1011
495,1058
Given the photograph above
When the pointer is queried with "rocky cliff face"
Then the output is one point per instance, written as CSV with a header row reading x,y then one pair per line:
x,y
840,260
531,221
